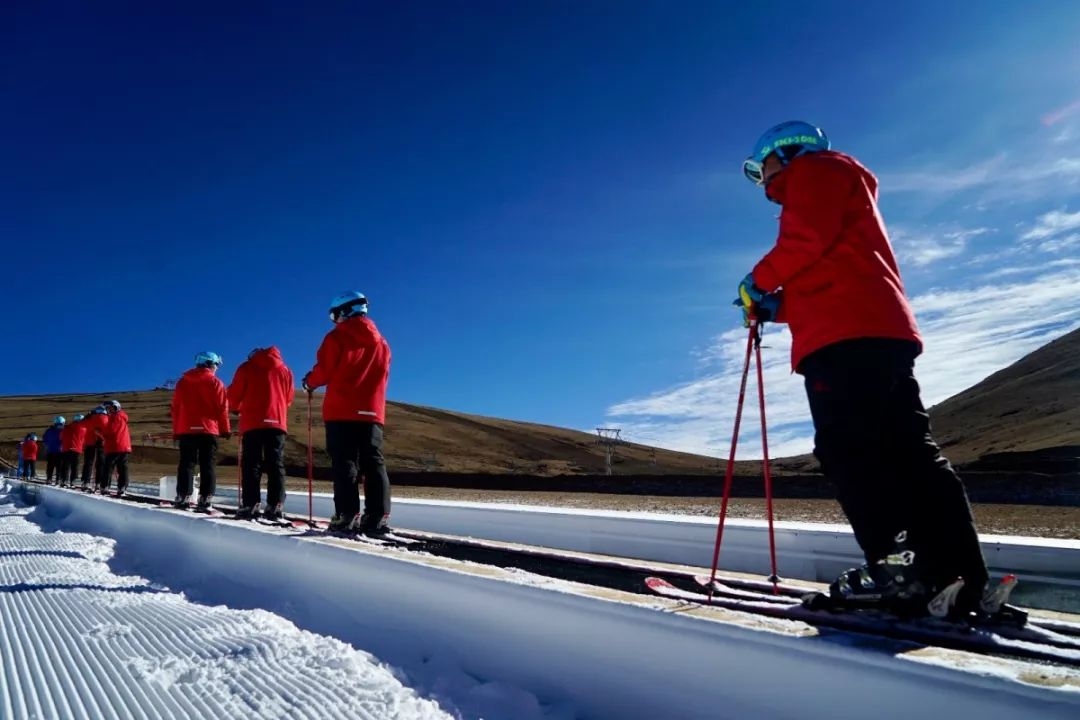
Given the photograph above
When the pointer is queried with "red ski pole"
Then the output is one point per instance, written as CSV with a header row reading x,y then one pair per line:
x,y
310,468
774,578
731,457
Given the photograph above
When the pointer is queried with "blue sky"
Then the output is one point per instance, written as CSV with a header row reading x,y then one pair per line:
x,y
542,200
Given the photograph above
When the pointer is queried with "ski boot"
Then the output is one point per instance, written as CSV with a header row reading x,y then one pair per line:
x,y
892,584
340,523
367,525
273,512
247,512
182,502
204,503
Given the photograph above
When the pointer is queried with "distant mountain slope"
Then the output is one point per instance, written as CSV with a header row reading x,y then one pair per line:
x,y
1025,418
418,438
1030,409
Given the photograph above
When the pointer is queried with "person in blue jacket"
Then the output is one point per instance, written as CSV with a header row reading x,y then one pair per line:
x,y
53,449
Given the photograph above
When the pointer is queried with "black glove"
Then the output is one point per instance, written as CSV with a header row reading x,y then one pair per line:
x,y
224,435
303,384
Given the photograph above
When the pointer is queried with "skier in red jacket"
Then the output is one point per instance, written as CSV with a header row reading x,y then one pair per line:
x,y
200,415
29,456
833,278
353,363
71,447
93,446
261,391
117,436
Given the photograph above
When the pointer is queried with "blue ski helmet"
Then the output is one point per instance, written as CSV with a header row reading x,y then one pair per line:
x,y
208,359
79,417
348,304
59,420
802,137
99,410
32,436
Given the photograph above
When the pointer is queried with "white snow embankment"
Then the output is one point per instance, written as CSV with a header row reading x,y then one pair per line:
x,y
503,644
80,642
1049,569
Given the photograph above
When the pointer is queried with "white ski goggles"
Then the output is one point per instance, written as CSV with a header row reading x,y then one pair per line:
x,y
754,171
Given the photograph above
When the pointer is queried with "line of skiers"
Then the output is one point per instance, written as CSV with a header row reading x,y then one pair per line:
x,y
353,363
100,439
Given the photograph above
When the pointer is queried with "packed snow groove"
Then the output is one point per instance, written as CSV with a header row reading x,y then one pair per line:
x,y
80,642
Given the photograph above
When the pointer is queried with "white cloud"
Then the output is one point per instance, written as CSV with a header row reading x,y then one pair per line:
x,y
968,333
943,179
923,247
1056,245
999,178
1052,223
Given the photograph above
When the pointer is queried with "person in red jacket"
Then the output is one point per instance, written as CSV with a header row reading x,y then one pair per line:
x,y
93,446
71,447
29,456
353,363
833,278
117,436
261,391
200,415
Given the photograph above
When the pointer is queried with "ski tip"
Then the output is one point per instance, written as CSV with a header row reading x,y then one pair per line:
x,y
654,583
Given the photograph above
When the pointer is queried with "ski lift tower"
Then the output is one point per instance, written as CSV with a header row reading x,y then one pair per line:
x,y
608,438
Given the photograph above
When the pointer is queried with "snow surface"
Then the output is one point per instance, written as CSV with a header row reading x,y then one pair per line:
x,y
482,642
79,641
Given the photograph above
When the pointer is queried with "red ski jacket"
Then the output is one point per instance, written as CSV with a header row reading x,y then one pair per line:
x,y
353,363
95,428
262,390
29,450
116,433
73,436
833,258
199,404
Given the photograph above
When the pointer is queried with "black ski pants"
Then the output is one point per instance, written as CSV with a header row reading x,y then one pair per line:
x,y
201,449
355,450
263,451
52,466
29,469
90,457
872,438
119,463
69,467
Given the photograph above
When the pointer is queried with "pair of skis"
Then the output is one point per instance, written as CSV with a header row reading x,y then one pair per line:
x,y
1007,633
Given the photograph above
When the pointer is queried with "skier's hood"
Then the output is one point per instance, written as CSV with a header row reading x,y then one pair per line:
x,y
198,372
265,358
361,329
824,165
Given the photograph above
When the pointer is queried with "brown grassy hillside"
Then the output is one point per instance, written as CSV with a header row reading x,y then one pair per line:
x,y
1030,410
1022,419
1025,418
417,438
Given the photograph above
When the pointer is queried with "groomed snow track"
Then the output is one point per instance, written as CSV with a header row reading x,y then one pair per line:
x,y
584,652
